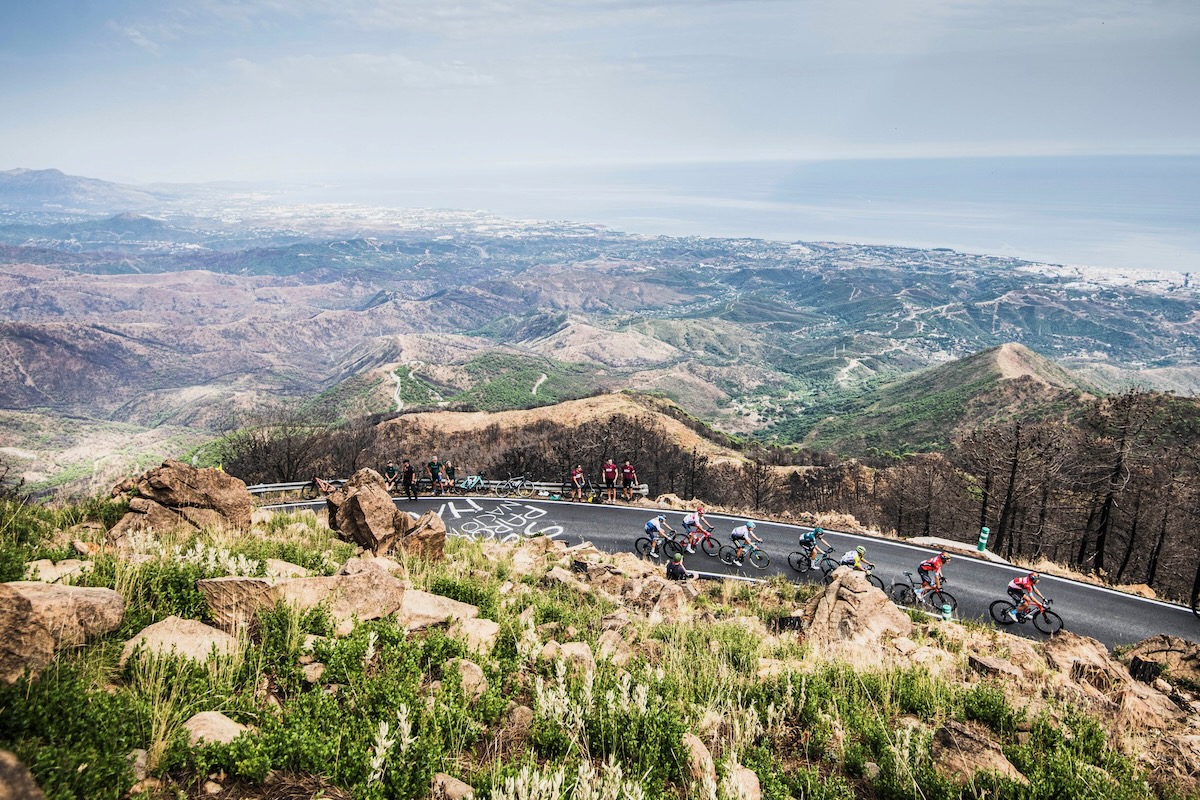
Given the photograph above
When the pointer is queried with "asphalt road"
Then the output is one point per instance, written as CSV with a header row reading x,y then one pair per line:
x,y
1112,617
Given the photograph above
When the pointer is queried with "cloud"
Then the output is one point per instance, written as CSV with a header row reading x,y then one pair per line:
x,y
360,72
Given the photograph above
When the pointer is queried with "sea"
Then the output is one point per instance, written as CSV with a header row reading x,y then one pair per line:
x,y
1120,211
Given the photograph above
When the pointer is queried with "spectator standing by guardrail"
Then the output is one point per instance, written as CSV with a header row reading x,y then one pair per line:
x,y
629,479
610,480
435,474
408,476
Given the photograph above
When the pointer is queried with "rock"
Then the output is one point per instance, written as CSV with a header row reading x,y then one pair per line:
x,y
701,767
1084,667
989,665
959,751
578,656
871,770
513,735
474,682
611,646
16,782
852,620
86,548
212,788
744,782
1179,658
1173,765
139,761
275,568
36,619
479,634
368,592
904,646
213,727
187,638
421,609
425,539
46,571
363,512
446,787
561,577
313,672
178,495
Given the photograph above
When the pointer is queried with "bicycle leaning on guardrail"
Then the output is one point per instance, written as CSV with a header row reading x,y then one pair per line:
x,y
518,485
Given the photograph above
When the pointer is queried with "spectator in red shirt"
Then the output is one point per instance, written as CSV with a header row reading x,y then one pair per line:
x,y
577,483
628,479
610,480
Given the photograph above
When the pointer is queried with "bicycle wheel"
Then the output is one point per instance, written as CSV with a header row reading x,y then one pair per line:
x,y
710,546
642,546
309,492
799,562
504,488
937,598
759,559
875,581
902,594
525,489
669,548
1048,622
999,611
827,565
726,554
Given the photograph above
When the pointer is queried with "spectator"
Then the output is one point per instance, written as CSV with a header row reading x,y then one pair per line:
x,y
629,479
390,474
610,480
435,474
408,476
577,483
449,472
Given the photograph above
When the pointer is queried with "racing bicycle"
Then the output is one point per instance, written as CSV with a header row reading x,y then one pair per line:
x,y
751,552
707,542
472,484
802,560
872,578
905,594
1043,618
666,547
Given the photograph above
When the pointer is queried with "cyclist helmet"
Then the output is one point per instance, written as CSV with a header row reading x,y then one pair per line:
x,y
677,557
817,531
662,518
1033,576
860,550
699,509
750,524
944,555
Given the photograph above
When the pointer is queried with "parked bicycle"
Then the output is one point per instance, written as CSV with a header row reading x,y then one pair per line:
x,y
802,560
666,547
751,552
517,485
472,484
1043,618
905,594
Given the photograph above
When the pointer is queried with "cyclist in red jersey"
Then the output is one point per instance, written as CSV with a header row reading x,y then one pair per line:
x,y
1022,589
930,571
610,480
628,479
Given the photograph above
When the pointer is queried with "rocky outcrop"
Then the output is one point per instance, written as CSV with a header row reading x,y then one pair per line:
x,y
959,751
361,590
702,770
46,571
447,787
853,620
1085,673
363,512
177,495
16,782
1177,658
186,638
36,619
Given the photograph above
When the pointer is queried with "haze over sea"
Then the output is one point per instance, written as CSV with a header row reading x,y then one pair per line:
x,y
1119,211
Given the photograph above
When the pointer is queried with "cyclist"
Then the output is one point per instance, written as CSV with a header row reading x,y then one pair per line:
x,y
654,529
1022,589
629,479
577,483
742,535
811,538
857,558
930,571
676,571
693,524
610,470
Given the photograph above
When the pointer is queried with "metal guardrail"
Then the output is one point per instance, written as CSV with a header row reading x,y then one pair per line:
x,y
540,488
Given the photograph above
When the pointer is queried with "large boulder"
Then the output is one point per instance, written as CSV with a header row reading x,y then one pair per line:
x,y
175,494
361,590
363,512
959,751
213,727
852,620
702,770
38,618
420,609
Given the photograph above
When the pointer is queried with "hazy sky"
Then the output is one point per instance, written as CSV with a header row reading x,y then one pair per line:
x,y
332,89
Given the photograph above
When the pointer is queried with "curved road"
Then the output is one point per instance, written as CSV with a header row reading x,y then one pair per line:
x,y
1112,617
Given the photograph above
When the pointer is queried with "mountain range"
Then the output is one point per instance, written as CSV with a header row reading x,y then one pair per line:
x,y
205,303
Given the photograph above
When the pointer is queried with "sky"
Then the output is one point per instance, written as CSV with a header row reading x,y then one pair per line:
x,y
359,91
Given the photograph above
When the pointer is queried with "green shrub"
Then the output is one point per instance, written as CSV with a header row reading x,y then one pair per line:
x,y
469,590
